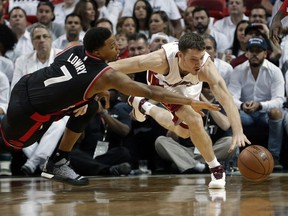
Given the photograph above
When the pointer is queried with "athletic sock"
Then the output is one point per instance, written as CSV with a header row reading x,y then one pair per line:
x,y
147,106
213,163
60,155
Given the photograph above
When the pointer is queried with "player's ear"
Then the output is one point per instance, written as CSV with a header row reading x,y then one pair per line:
x,y
96,53
179,54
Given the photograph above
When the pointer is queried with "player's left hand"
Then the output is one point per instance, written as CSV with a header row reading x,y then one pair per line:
x,y
200,105
238,139
80,111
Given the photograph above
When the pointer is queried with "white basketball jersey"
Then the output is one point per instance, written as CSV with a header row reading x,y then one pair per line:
x,y
189,85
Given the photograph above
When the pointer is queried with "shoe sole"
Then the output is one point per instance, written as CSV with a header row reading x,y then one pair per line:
x,y
64,180
216,186
137,115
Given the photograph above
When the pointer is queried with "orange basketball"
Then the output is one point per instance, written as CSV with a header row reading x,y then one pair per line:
x,y
255,163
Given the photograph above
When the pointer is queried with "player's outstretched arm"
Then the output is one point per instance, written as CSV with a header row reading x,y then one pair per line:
x,y
122,83
155,61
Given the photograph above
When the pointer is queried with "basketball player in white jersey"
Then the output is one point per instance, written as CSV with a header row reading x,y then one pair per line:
x,y
182,67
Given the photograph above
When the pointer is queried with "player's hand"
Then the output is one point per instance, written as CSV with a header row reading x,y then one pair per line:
x,y
238,139
200,105
80,111
105,96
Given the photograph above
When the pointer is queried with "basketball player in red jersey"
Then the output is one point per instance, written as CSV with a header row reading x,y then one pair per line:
x,y
69,87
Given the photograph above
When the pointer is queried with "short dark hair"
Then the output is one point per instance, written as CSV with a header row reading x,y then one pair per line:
x,y
101,20
17,8
199,8
46,2
191,41
137,36
95,38
211,38
72,15
49,4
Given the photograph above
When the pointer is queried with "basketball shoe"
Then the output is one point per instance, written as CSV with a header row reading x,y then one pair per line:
x,y
217,177
61,171
138,112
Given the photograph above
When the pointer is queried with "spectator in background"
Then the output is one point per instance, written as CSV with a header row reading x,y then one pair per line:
x,y
122,43
201,20
257,87
18,24
188,19
157,40
45,16
273,52
126,24
239,42
63,9
88,12
105,23
142,12
169,6
160,22
8,40
258,18
42,56
224,68
236,9
138,45
73,31
258,14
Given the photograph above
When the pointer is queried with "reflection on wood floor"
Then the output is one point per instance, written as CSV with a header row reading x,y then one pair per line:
x,y
145,195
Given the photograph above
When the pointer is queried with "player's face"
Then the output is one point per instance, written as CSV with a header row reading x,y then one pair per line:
x,y
110,51
192,60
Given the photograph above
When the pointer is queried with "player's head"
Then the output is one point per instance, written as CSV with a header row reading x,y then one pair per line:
x,y
101,43
191,41
191,52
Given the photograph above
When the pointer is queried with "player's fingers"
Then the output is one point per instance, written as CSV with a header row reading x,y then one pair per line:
x,y
232,147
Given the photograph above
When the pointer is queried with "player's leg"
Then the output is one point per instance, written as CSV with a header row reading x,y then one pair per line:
x,y
45,147
142,107
58,168
203,142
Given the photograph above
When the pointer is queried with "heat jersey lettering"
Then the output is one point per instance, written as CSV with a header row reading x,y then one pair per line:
x,y
77,63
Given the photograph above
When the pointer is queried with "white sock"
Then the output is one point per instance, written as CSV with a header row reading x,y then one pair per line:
x,y
213,163
147,107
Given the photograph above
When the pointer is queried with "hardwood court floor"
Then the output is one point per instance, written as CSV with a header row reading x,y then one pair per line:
x,y
164,195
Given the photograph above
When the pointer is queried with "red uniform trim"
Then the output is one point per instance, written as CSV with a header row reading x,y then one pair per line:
x,y
39,119
94,80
